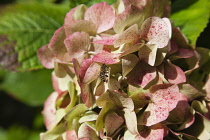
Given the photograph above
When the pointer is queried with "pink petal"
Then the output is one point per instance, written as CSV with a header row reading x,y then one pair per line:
x,y
131,15
77,44
138,3
156,31
55,83
128,36
106,40
86,133
92,73
142,74
85,65
70,16
166,94
86,94
173,73
71,135
49,111
102,15
184,53
107,58
153,114
80,26
57,45
155,132
46,57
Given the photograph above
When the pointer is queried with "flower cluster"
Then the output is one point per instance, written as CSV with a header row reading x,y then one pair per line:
x,y
122,72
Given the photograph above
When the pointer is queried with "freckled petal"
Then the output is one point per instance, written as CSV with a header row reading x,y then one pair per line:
x,y
46,57
131,15
127,36
57,46
102,15
153,114
156,31
107,58
142,74
138,3
106,40
92,73
166,94
77,44
173,73
155,132
148,53
71,135
85,65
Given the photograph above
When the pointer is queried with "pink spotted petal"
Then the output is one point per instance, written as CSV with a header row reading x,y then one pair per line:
x,y
166,94
131,15
77,44
102,15
85,132
49,111
128,36
173,73
46,57
106,40
107,58
92,73
70,16
86,94
85,65
156,31
155,132
57,46
153,114
142,74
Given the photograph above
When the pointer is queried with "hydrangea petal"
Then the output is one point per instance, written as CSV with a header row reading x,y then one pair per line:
x,y
155,132
148,53
142,74
107,58
92,73
173,73
167,94
46,57
80,26
138,3
129,35
71,135
106,40
153,114
87,133
112,123
131,121
102,15
77,44
131,15
128,63
49,111
57,46
156,31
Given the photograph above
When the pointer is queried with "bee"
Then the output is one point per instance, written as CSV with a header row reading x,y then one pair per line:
x,y
104,74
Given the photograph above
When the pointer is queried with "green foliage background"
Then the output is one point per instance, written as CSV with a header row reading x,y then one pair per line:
x,y
32,23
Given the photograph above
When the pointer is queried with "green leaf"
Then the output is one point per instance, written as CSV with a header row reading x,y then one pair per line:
x,y
31,26
191,16
29,87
